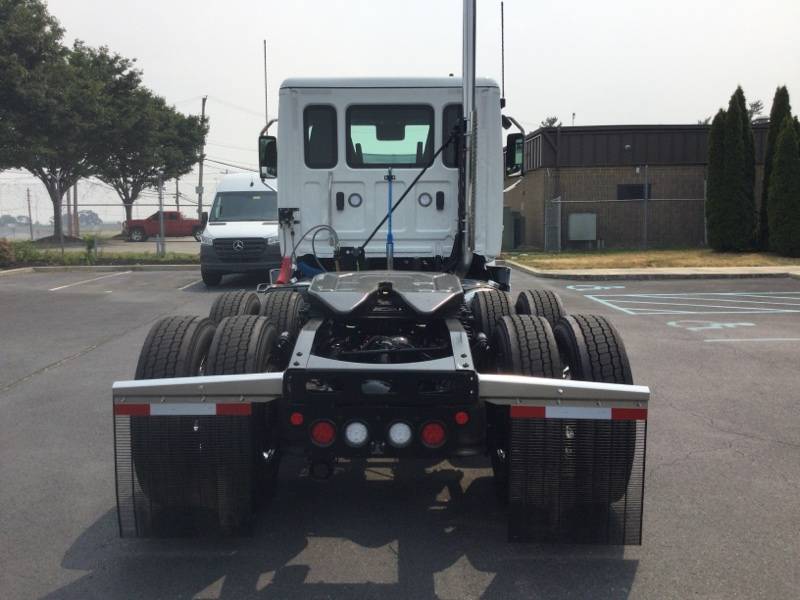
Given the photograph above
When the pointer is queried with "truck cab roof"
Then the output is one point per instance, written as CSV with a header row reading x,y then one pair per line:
x,y
382,82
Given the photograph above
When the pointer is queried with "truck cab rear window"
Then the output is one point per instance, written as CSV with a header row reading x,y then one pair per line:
x,y
380,136
319,137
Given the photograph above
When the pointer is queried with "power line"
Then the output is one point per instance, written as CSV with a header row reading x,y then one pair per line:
x,y
219,162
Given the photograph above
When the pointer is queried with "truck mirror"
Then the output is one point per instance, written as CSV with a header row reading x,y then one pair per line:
x,y
204,218
268,156
515,153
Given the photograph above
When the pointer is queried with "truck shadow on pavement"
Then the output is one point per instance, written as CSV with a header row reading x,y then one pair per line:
x,y
402,533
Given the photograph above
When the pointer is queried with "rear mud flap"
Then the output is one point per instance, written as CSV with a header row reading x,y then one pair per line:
x,y
575,479
184,474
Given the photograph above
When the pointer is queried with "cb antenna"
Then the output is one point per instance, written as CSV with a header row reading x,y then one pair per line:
x,y
266,99
502,55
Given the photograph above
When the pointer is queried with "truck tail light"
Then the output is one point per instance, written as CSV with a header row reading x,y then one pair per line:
x,y
461,417
433,434
323,433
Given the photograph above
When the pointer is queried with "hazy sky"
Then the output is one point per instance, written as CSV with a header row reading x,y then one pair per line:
x,y
612,62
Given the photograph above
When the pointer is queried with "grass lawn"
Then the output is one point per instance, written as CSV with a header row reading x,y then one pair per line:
x,y
28,254
633,259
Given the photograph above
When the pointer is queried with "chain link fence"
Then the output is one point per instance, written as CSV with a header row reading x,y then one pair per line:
x,y
609,207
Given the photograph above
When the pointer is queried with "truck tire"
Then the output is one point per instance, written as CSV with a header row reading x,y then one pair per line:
x,y
488,307
592,350
137,234
522,345
210,278
543,303
285,310
196,232
230,304
243,344
174,347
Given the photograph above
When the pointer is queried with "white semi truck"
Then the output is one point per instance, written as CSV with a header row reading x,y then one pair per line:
x,y
389,332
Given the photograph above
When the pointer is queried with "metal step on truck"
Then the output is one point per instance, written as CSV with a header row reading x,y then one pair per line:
x,y
388,332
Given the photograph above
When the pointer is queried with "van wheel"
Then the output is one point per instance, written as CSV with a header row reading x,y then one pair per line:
x,y
211,279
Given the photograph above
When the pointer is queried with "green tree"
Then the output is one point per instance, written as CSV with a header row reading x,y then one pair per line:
x,y
739,213
30,40
715,187
781,108
749,154
550,122
784,193
143,139
67,104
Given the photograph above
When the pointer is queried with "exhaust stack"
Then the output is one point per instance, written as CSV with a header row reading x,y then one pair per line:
x,y
470,115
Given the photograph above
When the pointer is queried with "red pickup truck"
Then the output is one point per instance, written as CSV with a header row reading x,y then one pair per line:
x,y
175,225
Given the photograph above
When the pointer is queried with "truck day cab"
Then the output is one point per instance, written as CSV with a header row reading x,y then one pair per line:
x,y
389,332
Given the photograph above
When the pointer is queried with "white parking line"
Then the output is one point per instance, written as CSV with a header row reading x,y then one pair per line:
x,y
69,285
754,340
188,285
697,303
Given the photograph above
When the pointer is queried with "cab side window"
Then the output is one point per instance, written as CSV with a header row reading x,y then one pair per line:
x,y
319,137
451,118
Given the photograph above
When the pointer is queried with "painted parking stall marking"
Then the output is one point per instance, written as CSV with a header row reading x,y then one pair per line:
x,y
702,303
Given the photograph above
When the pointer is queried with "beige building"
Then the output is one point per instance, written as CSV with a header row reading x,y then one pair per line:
x,y
612,187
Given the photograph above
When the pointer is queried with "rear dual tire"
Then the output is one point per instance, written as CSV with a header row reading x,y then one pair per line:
x,y
231,304
177,459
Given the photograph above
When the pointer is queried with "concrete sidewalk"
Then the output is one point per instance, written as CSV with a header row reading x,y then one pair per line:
x,y
659,272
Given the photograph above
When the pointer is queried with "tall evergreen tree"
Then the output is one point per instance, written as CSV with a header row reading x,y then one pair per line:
x,y
715,187
749,151
780,109
739,214
784,193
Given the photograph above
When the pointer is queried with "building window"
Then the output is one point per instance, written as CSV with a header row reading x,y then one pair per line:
x,y
380,136
319,137
633,191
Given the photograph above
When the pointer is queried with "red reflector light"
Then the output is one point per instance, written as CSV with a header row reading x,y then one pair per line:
x,y
296,419
323,433
462,417
432,435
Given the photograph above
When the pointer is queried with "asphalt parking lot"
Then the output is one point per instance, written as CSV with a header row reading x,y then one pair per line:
x,y
722,477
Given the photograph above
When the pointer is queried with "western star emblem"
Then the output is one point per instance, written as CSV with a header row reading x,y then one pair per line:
x,y
238,245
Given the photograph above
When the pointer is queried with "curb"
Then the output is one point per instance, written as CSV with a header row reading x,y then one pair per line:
x,y
638,275
112,268
19,270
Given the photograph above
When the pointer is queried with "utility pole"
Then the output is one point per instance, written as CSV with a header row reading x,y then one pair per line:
x,y
75,215
199,189
160,245
177,195
30,217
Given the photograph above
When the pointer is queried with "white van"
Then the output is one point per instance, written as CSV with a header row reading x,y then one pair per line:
x,y
241,235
